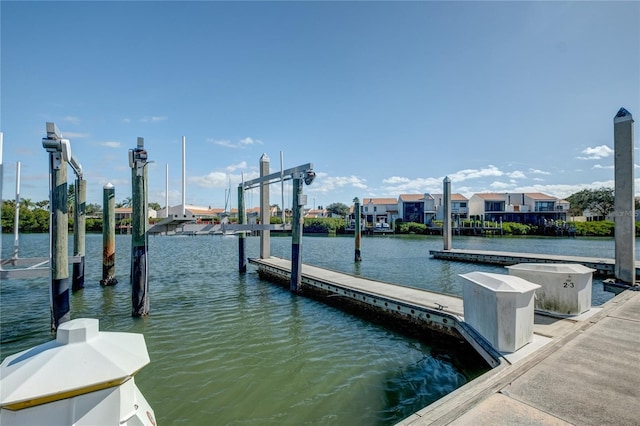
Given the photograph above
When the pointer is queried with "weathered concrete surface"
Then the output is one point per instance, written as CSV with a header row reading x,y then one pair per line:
x,y
589,375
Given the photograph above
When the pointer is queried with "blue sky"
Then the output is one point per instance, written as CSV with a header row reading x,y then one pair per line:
x,y
383,98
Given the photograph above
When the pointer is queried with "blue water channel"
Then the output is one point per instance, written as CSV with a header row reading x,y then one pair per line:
x,y
228,348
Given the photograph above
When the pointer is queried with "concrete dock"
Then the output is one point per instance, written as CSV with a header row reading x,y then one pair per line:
x,y
580,370
586,375
603,266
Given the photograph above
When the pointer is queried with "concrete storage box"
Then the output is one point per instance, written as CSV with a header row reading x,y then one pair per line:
x,y
500,308
565,287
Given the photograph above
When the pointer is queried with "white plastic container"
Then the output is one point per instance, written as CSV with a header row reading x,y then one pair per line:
x,y
500,308
565,287
84,377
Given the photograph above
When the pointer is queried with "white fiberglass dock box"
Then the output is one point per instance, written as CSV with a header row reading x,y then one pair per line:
x,y
84,377
565,287
500,308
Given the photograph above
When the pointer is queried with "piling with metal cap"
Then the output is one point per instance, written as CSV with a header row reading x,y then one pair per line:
x,y
59,152
265,214
79,228
296,234
357,231
624,204
242,258
446,224
108,235
139,246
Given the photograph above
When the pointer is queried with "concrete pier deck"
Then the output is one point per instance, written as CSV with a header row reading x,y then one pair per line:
x,y
580,370
586,375
603,266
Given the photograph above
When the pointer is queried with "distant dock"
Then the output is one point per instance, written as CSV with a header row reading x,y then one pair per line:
x,y
603,266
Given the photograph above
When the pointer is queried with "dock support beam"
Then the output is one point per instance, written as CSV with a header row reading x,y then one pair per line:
x,y
357,231
79,228
265,213
59,235
624,204
108,235
446,211
242,258
296,234
139,264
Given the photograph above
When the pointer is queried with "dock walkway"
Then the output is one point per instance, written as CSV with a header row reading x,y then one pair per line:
x,y
603,265
587,375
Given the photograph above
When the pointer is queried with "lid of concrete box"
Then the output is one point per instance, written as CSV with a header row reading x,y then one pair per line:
x,y
501,283
80,360
560,268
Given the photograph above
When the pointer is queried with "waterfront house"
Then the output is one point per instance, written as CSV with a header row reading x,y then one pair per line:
x,y
412,207
459,206
379,210
525,207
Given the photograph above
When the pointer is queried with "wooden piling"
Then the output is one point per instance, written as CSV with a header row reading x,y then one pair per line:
x,y
296,235
242,258
108,235
357,231
139,265
446,220
79,229
59,235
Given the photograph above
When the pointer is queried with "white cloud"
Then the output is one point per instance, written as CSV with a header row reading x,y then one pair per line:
x,y
71,119
110,144
126,120
239,144
501,186
466,174
538,172
600,166
153,119
596,153
211,180
324,183
240,166
75,135
516,174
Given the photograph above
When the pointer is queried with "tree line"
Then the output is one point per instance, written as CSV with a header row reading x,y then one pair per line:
x,y
34,216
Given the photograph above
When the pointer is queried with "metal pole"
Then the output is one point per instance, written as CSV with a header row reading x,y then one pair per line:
x,y
296,234
139,264
59,234
265,219
166,191
184,175
624,203
446,225
79,229
108,235
242,259
16,226
357,231
282,188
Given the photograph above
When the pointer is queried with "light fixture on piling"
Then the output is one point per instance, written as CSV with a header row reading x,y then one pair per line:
x,y
309,177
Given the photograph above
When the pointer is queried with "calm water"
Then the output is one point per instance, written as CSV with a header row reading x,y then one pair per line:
x,y
228,348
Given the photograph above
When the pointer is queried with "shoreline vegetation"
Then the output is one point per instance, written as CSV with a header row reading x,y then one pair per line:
x,y
35,219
